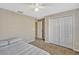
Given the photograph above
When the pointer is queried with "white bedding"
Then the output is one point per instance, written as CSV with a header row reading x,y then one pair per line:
x,y
21,48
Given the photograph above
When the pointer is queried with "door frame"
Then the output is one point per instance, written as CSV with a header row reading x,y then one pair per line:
x,y
43,28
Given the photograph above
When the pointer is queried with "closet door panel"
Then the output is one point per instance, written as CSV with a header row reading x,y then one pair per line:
x,y
53,31
62,35
68,32
57,31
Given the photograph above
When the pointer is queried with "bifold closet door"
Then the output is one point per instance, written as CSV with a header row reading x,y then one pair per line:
x,y
60,31
54,31
68,31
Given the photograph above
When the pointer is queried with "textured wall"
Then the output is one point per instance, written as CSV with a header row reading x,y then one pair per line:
x,y
16,25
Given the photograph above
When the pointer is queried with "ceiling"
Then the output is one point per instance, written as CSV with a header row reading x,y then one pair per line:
x,y
49,8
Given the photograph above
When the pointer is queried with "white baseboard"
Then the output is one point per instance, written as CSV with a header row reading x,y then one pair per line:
x,y
28,41
47,41
76,50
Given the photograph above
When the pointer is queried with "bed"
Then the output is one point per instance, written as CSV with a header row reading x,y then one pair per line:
x,y
19,47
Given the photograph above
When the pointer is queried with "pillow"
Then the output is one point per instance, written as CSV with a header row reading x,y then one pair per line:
x,y
14,40
3,43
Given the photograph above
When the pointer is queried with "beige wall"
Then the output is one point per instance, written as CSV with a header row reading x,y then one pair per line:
x,y
16,25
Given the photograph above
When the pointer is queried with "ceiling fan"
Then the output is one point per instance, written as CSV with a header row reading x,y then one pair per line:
x,y
36,6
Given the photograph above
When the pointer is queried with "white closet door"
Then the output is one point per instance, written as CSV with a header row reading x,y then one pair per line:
x,y
57,31
52,27
68,32
53,31
60,31
62,34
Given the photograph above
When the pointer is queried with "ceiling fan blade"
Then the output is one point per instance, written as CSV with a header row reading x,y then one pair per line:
x,y
32,6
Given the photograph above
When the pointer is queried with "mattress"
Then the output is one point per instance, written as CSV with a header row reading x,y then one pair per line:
x,y
21,48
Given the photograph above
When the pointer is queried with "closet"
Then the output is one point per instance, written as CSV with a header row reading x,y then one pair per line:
x,y
61,31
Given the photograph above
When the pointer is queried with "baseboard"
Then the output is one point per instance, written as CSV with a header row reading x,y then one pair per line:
x,y
76,50
28,41
39,38
47,41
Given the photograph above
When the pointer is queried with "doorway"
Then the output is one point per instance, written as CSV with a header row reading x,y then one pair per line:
x,y
40,29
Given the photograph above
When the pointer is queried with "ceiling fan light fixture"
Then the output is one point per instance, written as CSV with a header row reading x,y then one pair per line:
x,y
36,9
36,4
